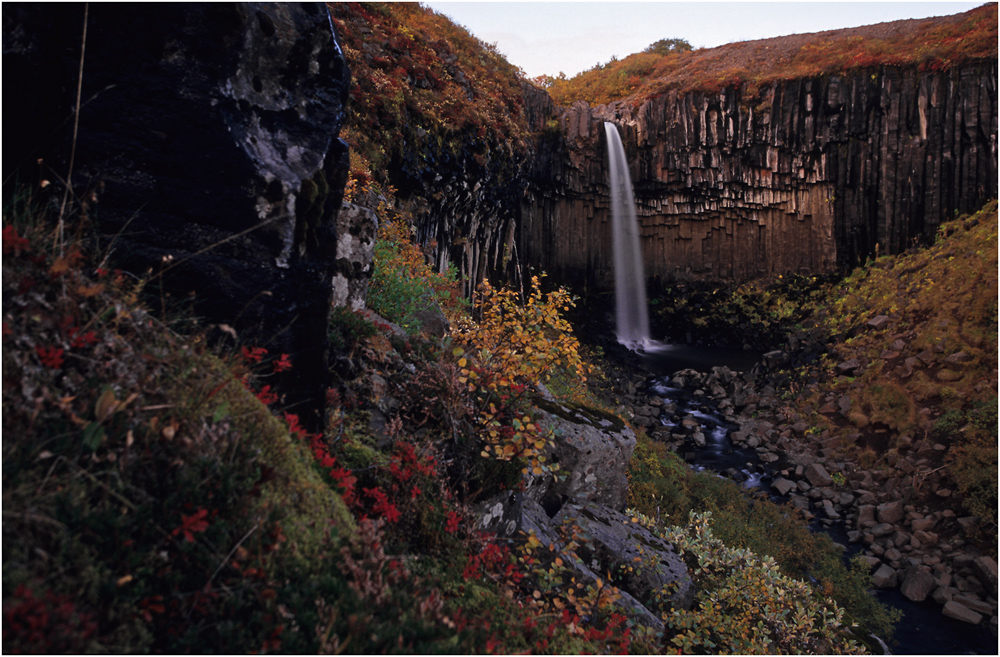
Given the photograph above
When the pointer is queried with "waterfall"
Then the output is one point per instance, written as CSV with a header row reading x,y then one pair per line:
x,y
631,314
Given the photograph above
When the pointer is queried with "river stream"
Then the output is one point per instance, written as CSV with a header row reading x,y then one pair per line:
x,y
923,629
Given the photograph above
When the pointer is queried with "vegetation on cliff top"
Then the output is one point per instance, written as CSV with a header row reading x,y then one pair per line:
x,y
932,44
423,87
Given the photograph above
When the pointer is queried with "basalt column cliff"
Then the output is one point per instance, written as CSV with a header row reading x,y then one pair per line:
x,y
804,176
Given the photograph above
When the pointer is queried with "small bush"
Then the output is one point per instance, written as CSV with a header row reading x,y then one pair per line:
x,y
505,355
403,285
746,605
348,329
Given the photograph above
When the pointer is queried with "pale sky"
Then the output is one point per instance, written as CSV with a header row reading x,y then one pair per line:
x,y
549,37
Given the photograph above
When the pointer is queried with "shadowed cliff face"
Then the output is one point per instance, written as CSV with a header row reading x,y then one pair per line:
x,y
805,176
207,150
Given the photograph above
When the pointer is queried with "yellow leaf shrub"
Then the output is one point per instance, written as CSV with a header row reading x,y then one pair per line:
x,y
745,604
512,348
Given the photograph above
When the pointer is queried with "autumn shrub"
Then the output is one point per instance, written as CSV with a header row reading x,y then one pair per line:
x,y
745,605
511,349
663,488
348,329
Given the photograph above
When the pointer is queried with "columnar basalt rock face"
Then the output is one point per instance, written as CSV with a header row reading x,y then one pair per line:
x,y
208,150
465,195
805,176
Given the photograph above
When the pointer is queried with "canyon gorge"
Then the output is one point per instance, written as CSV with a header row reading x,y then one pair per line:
x,y
245,163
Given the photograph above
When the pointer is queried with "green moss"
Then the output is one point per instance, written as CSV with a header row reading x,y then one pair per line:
x,y
303,500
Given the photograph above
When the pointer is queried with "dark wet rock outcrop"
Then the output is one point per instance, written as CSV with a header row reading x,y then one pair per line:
x,y
207,153
804,176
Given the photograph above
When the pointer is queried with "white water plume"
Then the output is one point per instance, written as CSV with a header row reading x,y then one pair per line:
x,y
631,313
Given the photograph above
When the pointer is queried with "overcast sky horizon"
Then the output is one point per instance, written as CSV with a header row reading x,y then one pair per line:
x,y
570,37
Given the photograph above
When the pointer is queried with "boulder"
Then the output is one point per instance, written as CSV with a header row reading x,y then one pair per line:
x,y
818,476
986,567
207,154
960,612
592,449
891,512
645,564
878,322
975,604
885,577
942,594
917,585
848,367
782,486
968,524
869,561
957,360
866,516
881,529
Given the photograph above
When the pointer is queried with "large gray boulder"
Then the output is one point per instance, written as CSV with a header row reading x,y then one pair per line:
x,y
592,450
207,154
641,564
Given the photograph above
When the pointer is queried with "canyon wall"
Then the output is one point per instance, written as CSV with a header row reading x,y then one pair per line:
x,y
804,176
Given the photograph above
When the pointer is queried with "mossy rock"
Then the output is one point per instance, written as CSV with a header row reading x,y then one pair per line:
x,y
304,502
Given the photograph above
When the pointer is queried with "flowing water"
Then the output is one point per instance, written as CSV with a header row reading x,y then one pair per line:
x,y
631,312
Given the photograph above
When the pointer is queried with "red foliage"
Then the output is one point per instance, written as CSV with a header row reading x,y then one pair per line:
x,y
282,364
266,396
47,624
191,525
254,354
12,242
50,356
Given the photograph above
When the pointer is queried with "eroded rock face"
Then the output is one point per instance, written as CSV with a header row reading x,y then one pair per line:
x,y
208,150
593,451
356,232
807,175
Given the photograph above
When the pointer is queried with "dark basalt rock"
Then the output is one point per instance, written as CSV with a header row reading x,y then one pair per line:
x,y
208,150
812,175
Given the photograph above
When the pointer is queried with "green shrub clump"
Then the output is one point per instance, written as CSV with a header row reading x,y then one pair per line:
x,y
746,605
403,286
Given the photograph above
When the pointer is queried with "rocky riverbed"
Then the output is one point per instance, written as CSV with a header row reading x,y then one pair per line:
x,y
913,543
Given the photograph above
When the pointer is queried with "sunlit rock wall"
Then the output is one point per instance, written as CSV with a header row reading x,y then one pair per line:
x,y
806,176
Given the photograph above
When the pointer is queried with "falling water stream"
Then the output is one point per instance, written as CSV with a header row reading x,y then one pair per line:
x,y
631,313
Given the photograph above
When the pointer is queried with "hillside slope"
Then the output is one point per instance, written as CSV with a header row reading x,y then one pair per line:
x,y
916,356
